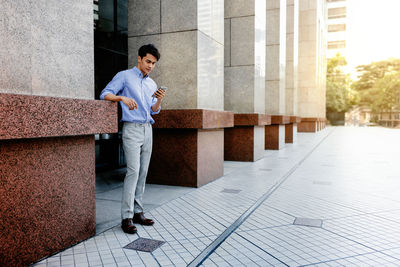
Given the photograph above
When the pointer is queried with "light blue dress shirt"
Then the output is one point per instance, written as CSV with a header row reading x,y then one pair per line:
x,y
132,84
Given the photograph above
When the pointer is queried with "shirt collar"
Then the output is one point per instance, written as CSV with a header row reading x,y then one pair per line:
x,y
139,73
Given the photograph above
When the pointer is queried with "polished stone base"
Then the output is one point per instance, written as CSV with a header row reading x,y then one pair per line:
x,y
244,143
47,196
308,125
274,136
291,133
186,157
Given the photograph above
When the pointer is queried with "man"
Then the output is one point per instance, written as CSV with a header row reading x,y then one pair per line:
x,y
139,99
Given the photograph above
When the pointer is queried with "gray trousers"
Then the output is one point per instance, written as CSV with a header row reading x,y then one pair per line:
x,y
137,140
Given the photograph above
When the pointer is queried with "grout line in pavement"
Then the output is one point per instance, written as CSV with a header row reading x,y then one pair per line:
x,y
228,231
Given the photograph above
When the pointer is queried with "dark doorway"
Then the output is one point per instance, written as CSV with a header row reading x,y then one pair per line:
x,y
110,57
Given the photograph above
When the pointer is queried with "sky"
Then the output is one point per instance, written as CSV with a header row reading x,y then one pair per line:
x,y
373,31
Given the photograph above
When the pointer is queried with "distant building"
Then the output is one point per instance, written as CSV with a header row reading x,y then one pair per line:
x,y
337,23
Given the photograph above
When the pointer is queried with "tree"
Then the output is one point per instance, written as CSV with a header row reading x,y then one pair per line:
x,y
379,85
339,96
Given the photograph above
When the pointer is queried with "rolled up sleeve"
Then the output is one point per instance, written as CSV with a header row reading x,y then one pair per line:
x,y
114,86
151,108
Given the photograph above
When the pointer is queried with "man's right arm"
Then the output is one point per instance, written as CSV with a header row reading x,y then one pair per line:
x,y
113,88
126,100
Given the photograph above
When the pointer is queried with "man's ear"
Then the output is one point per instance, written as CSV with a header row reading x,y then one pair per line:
x,y
139,58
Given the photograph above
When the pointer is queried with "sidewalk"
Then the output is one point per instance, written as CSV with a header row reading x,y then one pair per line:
x,y
332,199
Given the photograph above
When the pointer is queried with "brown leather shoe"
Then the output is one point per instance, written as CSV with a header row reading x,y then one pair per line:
x,y
140,219
128,226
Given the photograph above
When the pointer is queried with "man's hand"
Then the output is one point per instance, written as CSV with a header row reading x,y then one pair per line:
x,y
129,102
159,94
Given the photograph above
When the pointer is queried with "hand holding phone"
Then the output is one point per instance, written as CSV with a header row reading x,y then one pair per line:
x,y
160,93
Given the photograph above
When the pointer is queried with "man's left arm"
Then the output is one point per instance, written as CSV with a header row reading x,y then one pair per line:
x,y
156,107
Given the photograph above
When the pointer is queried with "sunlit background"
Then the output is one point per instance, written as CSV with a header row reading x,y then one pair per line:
x,y
372,31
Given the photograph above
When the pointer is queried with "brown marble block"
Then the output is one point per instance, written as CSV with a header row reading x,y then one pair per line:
x,y
275,133
291,130
47,196
188,147
245,142
47,180
308,125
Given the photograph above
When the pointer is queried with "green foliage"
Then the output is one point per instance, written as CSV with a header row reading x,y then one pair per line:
x,y
379,85
339,96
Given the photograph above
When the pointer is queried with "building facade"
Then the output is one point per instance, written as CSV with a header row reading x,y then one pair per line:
x,y
243,76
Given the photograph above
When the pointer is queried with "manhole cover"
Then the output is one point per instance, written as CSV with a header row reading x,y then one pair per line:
x,y
144,244
308,222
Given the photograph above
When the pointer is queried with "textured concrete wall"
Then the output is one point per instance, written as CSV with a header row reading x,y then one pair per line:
x,y
46,48
190,37
245,56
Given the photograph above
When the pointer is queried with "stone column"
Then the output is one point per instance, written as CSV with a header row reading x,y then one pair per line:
x,y
48,119
312,63
275,72
190,37
245,78
292,44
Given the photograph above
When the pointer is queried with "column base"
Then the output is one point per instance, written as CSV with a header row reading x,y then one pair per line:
x,y
186,157
188,147
244,143
308,125
291,130
275,133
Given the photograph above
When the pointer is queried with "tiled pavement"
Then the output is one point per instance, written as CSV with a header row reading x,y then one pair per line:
x,y
348,178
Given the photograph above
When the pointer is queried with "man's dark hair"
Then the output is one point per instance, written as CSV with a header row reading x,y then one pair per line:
x,y
149,49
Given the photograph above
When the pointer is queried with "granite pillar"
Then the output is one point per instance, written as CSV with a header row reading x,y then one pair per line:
x,y
47,121
245,78
275,100
190,37
245,142
188,147
48,173
292,40
312,59
275,133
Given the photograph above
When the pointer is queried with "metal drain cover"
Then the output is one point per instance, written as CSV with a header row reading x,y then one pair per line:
x,y
144,244
231,191
308,222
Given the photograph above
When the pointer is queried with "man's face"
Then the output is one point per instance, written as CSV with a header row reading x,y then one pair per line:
x,y
147,63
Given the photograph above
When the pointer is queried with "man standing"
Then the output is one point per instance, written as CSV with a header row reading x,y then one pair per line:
x,y
139,99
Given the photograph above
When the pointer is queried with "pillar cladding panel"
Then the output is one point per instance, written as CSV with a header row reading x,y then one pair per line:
x,y
179,15
144,17
210,159
239,91
210,73
227,43
210,19
15,48
48,196
239,8
47,48
62,48
242,41
259,142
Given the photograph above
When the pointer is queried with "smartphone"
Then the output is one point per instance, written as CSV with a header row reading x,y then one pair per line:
x,y
164,88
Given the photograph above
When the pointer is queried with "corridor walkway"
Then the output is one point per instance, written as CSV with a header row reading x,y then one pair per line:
x,y
332,199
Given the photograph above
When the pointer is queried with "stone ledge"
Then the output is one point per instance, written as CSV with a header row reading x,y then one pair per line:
x,y
26,116
193,119
252,119
280,119
295,119
309,119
